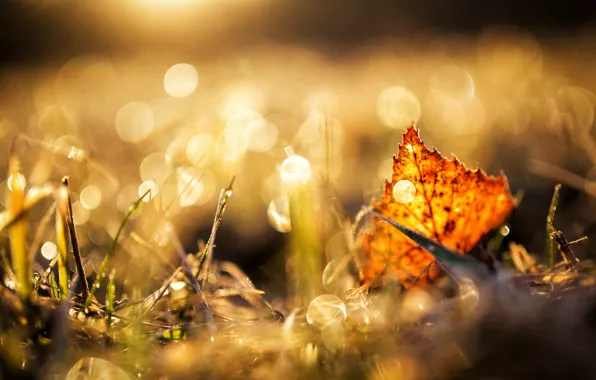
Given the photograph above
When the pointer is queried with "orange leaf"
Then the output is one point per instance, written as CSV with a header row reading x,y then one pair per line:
x,y
436,197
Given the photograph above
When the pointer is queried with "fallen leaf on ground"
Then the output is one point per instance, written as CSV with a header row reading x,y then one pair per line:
x,y
436,197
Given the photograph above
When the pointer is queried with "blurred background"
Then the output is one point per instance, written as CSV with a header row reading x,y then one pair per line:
x,y
180,96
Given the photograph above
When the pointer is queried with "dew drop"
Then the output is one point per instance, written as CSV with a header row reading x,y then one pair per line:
x,y
505,230
178,285
404,191
326,309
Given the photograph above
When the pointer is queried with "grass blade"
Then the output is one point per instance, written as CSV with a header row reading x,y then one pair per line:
x,y
206,255
75,243
18,230
446,255
104,264
62,244
193,280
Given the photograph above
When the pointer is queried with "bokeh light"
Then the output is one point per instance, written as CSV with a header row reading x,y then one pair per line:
x,y
295,170
398,107
79,213
200,149
181,80
90,197
49,250
149,190
190,187
156,167
326,310
135,121
260,135
453,83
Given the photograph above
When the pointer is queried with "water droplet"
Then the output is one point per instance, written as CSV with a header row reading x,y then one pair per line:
x,y
326,309
177,285
295,170
278,214
505,230
404,191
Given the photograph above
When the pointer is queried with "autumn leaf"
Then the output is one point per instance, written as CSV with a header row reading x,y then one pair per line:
x,y
436,197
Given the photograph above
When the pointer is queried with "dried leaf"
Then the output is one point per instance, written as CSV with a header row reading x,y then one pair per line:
x,y
440,199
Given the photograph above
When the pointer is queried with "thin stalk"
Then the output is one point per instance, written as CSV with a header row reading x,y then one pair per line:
x,y
106,260
18,230
62,244
110,296
75,243
193,280
550,243
307,256
41,230
206,255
